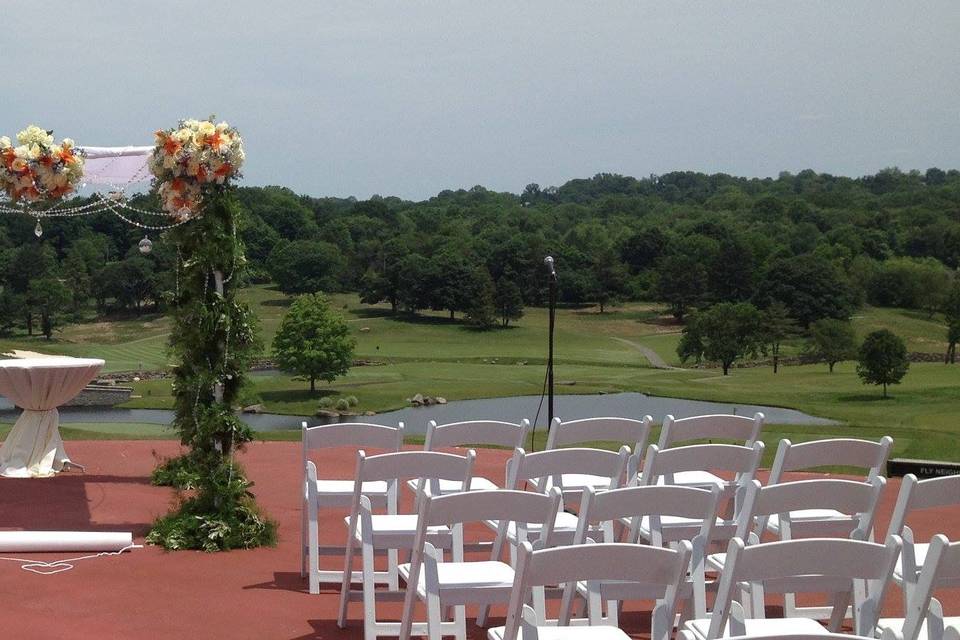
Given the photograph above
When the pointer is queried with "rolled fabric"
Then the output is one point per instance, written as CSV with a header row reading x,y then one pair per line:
x,y
58,541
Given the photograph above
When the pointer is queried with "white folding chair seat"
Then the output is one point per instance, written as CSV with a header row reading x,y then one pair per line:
x,y
917,495
838,566
489,433
323,493
391,532
624,431
847,452
727,428
925,619
456,583
653,567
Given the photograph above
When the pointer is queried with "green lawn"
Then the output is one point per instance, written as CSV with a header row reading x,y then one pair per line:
x,y
598,352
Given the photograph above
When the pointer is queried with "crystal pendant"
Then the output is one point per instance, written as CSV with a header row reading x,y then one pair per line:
x,y
146,245
38,230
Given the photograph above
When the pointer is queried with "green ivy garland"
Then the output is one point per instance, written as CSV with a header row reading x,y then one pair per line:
x,y
212,342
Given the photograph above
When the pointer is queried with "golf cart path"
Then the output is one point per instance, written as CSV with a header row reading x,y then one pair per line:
x,y
652,356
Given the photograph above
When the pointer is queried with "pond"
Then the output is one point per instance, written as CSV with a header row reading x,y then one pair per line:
x,y
567,407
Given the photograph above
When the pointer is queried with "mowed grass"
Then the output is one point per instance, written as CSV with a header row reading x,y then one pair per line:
x,y
432,355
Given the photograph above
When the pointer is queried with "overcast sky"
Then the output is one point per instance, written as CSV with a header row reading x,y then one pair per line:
x,y
409,98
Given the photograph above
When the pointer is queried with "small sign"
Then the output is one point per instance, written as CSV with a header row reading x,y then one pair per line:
x,y
898,467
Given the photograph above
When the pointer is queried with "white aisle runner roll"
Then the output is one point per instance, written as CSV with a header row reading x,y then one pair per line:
x,y
63,541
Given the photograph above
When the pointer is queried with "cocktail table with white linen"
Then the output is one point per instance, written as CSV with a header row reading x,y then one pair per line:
x,y
34,449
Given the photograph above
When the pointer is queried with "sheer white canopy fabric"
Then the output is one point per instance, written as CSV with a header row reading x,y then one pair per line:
x,y
115,166
34,448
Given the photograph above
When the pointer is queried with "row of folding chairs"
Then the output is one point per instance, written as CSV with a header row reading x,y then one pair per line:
x,y
611,572
320,493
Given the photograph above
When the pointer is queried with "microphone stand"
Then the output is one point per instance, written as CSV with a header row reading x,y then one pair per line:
x,y
552,303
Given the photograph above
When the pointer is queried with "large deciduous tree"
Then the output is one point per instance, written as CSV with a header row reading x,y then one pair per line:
x,y
777,327
882,359
831,341
810,287
723,333
313,341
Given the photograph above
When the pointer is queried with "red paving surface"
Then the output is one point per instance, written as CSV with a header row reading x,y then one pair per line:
x,y
149,593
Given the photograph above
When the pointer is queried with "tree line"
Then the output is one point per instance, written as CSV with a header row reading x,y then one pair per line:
x,y
811,245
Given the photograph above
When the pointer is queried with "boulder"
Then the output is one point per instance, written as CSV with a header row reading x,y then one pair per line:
x,y
253,408
369,413
364,329
327,413
417,400
441,400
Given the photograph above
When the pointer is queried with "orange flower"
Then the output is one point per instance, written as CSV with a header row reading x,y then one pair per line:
x,y
214,141
171,146
201,173
223,170
67,156
177,185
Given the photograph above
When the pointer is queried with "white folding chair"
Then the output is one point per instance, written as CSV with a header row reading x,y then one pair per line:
x,y
925,619
372,533
836,566
730,429
660,570
683,466
457,583
477,433
916,495
624,431
847,452
853,502
325,493
544,470
655,502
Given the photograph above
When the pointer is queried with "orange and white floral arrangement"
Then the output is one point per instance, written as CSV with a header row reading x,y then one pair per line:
x,y
37,168
192,158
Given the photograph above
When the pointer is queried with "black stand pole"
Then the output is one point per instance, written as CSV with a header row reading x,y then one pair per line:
x,y
553,311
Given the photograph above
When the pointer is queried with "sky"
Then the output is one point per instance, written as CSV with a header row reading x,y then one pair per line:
x,y
409,98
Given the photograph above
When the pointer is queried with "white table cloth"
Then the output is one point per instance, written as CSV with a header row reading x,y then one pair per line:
x,y
34,448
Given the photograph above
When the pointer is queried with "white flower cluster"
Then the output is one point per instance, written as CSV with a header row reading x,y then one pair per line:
x,y
38,168
188,158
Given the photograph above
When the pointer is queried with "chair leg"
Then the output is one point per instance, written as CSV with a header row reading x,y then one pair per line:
x,y
434,617
495,552
393,574
345,582
303,539
460,619
313,555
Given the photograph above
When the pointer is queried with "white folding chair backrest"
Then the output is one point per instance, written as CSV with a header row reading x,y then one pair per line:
x,y
851,498
846,452
811,564
731,458
606,508
653,566
359,435
625,431
941,569
916,495
476,432
550,465
733,428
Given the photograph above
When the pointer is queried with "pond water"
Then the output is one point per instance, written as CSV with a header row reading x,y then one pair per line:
x,y
567,407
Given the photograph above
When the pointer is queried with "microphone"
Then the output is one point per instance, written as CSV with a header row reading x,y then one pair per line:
x,y
549,262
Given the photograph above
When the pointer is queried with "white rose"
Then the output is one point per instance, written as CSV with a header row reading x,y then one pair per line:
x,y
4,142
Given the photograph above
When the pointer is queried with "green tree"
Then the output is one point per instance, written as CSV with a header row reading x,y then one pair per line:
x,y
609,275
951,312
306,266
481,311
681,282
831,341
313,341
810,287
882,359
11,310
723,333
777,327
50,298
508,299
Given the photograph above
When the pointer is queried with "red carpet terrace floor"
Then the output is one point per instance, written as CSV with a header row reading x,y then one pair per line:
x,y
151,593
